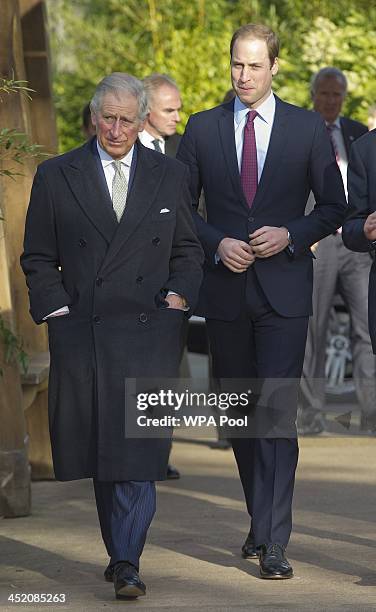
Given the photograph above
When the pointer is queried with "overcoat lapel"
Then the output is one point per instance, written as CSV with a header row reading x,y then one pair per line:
x,y
89,188
148,176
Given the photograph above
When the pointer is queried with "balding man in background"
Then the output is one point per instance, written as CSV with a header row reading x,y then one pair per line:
x,y
159,134
164,106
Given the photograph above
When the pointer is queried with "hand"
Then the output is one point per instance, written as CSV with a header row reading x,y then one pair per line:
x,y
268,241
370,227
175,301
236,255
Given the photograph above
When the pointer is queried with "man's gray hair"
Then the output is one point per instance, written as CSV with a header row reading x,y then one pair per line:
x,y
119,83
328,72
157,80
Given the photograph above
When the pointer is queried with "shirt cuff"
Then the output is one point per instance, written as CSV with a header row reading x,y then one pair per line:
x,y
64,310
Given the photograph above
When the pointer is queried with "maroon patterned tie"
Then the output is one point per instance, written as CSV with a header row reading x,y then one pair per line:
x,y
248,172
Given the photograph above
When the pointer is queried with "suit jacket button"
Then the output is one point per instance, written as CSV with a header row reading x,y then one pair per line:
x,y
251,219
82,242
99,281
96,319
139,279
156,241
143,317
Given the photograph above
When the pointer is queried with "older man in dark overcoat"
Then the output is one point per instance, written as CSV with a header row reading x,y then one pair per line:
x,y
113,265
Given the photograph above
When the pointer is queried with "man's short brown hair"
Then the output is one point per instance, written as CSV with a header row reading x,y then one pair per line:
x,y
258,32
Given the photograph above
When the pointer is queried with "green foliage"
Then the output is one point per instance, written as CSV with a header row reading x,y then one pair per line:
x,y
10,86
13,347
189,40
15,145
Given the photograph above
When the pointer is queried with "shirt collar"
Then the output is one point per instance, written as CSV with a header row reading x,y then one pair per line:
x,y
337,123
106,159
265,111
147,139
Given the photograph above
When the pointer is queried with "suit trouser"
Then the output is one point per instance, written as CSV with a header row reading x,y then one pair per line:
x,y
264,345
125,511
337,268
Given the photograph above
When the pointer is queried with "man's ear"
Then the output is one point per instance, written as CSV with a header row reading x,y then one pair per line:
x,y
275,67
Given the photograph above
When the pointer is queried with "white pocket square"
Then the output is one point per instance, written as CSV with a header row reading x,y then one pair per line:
x,y
164,210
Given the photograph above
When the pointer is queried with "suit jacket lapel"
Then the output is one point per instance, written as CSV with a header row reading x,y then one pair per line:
x,y
86,179
227,136
277,143
348,138
147,177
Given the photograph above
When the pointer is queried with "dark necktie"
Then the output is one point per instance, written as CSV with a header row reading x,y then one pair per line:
x,y
331,127
157,146
248,173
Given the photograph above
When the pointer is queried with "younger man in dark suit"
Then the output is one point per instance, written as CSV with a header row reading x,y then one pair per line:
x,y
257,158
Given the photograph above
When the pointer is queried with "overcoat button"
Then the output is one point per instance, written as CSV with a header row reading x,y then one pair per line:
x,y
139,279
143,317
156,241
96,319
99,281
82,242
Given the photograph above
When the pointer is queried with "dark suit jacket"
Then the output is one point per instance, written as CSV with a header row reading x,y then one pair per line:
x,y
113,276
172,144
299,159
362,200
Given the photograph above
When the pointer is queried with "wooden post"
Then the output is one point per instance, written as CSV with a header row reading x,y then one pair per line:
x,y
22,22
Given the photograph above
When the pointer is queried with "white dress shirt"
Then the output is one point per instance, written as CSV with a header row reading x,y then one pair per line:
x,y
263,124
108,168
147,140
263,127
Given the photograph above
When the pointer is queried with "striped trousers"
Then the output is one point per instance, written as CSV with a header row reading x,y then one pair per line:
x,y
125,512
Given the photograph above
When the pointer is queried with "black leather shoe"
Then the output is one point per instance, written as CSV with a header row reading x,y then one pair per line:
x,y
273,563
109,573
127,582
172,473
249,550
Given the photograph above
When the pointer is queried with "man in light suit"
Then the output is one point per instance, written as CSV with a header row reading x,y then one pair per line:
x,y
359,230
112,263
336,269
257,158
